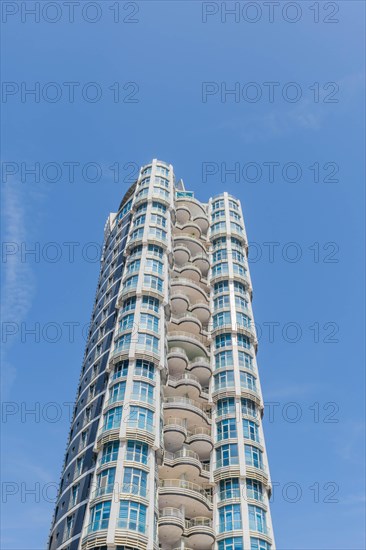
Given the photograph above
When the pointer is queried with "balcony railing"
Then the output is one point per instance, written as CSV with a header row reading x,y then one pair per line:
x,y
188,485
185,401
131,525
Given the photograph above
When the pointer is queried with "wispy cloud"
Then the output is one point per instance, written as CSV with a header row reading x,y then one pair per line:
x,y
18,278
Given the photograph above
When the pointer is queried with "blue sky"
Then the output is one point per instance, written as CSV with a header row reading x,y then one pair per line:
x,y
161,61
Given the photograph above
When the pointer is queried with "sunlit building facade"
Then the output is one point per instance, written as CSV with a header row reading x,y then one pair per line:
x,y
166,448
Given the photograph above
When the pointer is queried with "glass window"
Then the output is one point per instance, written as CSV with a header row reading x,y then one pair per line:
x,y
129,304
219,255
253,457
240,302
222,301
155,250
142,391
222,286
229,518
158,220
132,515
235,216
257,519
142,208
153,282
134,266
148,302
136,451
154,265
239,270
162,170
161,192
248,407
141,418
145,368
131,282
245,360
243,341
224,379
218,204
220,269
248,381
147,341
144,182
99,516
227,455
140,220
223,340
142,193
217,215
219,226
146,171
110,452
242,319
254,489
259,544
162,181
238,256
105,482
233,205
239,287
123,342
226,429
221,319
224,359
226,406
232,543
120,369
229,488
157,232
117,392
159,207
251,430
236,227
112,418
135,482
126,322
136,251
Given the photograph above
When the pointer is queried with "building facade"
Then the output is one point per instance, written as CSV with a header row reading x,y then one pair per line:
x,y
166,448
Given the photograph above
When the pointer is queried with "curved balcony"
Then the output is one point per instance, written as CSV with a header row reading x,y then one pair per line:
x,y
189,271
193,292
189,228
195,246
180,303
193,345
185,321
186,384
188,409
177,433
195,498
178,363
184,463
171,525
200,533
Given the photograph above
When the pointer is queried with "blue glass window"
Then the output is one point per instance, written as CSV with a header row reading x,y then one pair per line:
x,y
253,457
248,381
143,391
145,368
141,418
136,451
224,379
117,392
223,340
229,518
221,319
229,488
226,406
110,452
249,407
257,519
227,455
259,544
155,250
224,359
243,341
153,282
135,482
226,429
120,369
99,516
149,322
222,286
148,342
251,430
220,269
254,489
149,302
112,419
132,515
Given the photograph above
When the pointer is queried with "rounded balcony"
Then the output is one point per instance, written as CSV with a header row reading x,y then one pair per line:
x,y
185,321
185,384
196,499
189,271
187,409
199,366
192,291
184,462
200,533
189,228
193,345
171,525
195,246
178,432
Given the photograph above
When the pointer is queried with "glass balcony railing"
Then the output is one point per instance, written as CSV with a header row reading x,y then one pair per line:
x,y
132,525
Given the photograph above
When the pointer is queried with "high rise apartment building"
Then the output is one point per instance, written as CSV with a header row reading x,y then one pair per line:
x,y
166,448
